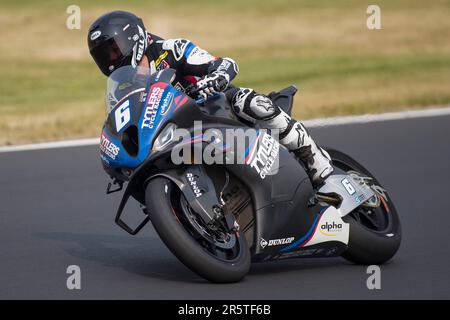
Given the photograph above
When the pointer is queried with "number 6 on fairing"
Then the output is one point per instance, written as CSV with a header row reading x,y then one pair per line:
x,y
122,115
348,186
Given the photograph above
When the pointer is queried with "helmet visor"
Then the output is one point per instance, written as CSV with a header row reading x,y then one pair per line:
x,y
110,55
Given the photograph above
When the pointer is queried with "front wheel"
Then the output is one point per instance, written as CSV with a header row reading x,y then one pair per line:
x,y
218,256
375,233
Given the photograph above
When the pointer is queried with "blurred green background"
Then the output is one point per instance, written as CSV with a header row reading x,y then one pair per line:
x,y
50,89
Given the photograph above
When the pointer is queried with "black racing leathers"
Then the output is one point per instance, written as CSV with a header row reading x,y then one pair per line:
x,y
192,63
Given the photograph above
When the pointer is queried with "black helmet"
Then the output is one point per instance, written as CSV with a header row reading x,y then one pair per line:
x,y
116,39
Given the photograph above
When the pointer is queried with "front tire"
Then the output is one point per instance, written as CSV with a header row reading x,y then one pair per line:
x,y
371,241
163,200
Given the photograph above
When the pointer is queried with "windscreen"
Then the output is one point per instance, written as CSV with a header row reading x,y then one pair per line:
x,y
123,82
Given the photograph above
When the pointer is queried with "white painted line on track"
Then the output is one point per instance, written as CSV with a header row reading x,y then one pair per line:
x,y
315,123
411,114
51,145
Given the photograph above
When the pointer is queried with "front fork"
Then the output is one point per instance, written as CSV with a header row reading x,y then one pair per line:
x,y
199,191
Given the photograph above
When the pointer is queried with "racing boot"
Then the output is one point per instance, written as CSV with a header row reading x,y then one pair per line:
x,y
315,159
258,108
317,163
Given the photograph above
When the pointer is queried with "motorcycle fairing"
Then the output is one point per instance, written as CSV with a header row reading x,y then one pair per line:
x,y
327,236
281,202
322,250
147,117
351,192
327,226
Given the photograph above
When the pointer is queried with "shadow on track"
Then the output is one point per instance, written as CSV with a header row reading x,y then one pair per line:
x,y
140,255
149,257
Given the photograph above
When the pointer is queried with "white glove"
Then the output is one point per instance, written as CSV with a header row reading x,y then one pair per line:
x,y
211,84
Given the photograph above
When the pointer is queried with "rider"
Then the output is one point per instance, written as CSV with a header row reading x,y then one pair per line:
x,y
119,38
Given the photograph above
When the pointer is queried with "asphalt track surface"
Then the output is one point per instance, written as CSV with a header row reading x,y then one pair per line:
x,y
54,213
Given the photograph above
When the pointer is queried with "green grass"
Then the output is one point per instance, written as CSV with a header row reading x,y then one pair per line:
x,y
50,89
48,84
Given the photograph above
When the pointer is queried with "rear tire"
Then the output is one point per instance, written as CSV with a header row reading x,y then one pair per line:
x,y
367,246
159,200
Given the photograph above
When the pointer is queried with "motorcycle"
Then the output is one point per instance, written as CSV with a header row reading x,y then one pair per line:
x,y
219,218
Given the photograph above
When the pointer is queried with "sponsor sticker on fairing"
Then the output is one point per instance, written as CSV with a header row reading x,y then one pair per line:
x,y
263,160
167,103
275,242
330,229
178,86
151,109
108,148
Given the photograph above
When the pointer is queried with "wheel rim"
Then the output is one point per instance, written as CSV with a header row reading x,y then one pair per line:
x,y
220,244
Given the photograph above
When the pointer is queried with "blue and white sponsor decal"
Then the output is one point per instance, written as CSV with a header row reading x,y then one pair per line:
x,y
167,103
151,110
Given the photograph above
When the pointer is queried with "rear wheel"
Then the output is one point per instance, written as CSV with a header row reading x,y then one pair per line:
x,y
375,233
218,256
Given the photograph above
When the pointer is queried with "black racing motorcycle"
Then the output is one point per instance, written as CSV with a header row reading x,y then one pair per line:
x,y
255,205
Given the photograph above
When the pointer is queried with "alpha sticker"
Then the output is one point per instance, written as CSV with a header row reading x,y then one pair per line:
x,y
330,227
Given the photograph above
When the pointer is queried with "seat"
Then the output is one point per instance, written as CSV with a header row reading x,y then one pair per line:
x,y
284,98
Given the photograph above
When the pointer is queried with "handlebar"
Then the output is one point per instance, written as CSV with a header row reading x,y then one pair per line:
x,y
201,100
192,90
